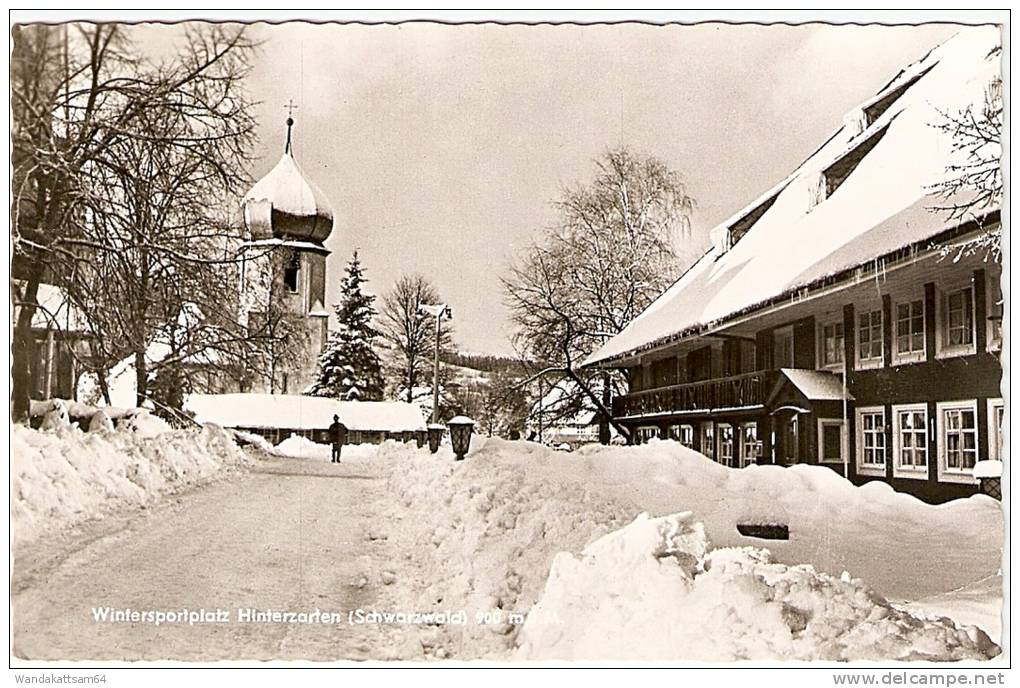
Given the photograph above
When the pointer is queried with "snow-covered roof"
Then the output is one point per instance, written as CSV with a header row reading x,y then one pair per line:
x,y
988,469
298,412
56,312
797,237
816,385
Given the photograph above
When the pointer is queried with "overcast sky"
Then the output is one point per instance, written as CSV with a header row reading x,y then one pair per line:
x,y
441,148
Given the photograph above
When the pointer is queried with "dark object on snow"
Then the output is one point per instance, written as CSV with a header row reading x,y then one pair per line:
x,y
765,531
435,435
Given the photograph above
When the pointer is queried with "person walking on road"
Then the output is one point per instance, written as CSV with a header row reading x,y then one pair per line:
x,y
337,438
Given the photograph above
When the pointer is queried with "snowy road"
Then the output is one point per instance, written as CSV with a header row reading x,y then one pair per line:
x,y
292,535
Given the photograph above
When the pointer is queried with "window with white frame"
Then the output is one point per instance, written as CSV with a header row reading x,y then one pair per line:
x,y
869,338
684,434
958,438
910,441
956,321
995,308
725,445
707,439
908,335
995,413
831,345
871,440
647,432
750,444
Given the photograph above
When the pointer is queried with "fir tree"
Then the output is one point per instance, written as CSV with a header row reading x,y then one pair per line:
x,y
349,367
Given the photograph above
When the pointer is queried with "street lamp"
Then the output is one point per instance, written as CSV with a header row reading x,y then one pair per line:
x,y
460,435
437,311
435,433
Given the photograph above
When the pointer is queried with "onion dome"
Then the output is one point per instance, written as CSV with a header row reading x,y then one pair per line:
x,y
286,205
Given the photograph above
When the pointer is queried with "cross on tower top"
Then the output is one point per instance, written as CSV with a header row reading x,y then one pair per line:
x,y
290,107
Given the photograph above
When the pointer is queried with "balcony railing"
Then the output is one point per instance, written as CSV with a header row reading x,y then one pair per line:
x,y
737,391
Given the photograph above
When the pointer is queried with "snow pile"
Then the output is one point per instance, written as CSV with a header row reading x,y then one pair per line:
x,y
298,447
988,469
55,413
63,476
251,439
144,424
482,534
653,591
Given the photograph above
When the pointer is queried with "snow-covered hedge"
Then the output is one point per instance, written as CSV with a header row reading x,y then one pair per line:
x,y
482,534
61,476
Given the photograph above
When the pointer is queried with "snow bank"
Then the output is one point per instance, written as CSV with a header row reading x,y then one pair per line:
x,y
653,591
63,476
298,447
482,534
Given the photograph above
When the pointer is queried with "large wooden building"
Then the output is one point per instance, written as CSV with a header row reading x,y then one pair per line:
x,y
843,318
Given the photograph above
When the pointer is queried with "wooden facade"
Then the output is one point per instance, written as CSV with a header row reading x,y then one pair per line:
x,y
910,345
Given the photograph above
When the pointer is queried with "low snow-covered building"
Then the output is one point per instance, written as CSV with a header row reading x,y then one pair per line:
x,y
836,319
279,416
60,343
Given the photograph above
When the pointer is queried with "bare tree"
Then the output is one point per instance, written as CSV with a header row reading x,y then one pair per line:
x,y
611,253
973,186
118,172
411,333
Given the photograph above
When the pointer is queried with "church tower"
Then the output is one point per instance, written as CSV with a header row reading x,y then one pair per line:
x,y
283,275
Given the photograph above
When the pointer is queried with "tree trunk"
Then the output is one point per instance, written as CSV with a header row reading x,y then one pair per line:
x,y
600,407
104,386
141,379
24,345
607,403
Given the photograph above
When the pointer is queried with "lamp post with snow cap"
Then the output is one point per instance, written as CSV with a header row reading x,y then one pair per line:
x,y
461,428
435,433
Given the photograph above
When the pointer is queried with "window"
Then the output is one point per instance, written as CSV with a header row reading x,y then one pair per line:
x,y
910,441
909,336
290,274
957,441
684,434
959,318
647,432
830,440
869,338
832,345
791,440
707,440
995,413
871,441
726,445
838,172
956,322
750,444
995,308
782,355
